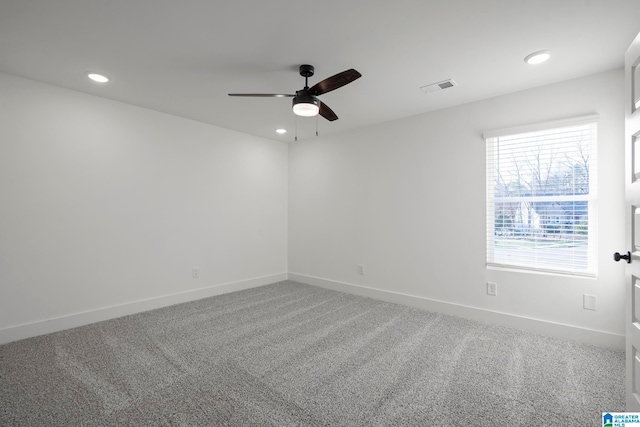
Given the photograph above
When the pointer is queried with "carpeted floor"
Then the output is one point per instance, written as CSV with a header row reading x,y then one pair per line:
x,y
296,355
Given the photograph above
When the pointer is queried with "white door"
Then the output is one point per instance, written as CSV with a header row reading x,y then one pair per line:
x,y
632,192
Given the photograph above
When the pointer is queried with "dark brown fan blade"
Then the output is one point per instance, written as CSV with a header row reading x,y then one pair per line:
x,y
263,95
327,112
334,82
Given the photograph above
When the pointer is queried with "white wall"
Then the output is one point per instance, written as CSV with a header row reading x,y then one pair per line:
x,y
106,207
406,199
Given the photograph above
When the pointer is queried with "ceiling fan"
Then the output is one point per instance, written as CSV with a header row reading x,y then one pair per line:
x,y
305,101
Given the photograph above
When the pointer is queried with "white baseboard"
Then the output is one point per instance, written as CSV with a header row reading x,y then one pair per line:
x,y
27,330
542,327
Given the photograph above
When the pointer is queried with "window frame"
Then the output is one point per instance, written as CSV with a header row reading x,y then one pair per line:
x,y
591,198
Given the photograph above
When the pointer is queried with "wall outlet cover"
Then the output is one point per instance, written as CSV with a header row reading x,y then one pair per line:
x,y
589,302
492,289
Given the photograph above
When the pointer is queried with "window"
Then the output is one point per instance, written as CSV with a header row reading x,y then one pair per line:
x,y
541,197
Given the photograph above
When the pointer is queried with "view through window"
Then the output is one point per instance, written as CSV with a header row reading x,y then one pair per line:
x,y
541,196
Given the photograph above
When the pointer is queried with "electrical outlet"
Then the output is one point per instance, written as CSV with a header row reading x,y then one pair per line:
x,y
492,289
361,269
195,272
589,302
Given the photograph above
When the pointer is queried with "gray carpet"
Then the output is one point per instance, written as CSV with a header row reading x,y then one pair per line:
x,y
296,355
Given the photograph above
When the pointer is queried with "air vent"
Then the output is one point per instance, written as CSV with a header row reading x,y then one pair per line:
x,y
445,84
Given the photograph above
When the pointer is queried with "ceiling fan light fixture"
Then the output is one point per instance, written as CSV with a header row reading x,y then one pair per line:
x,y
305,105
306,109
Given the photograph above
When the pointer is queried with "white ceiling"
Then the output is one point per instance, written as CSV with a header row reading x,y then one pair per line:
x,y
183,56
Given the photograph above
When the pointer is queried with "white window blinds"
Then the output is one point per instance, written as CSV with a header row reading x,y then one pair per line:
x,y
541,197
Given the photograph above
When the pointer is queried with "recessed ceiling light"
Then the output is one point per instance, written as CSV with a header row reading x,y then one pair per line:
x,y
99,78
538,57
281,131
